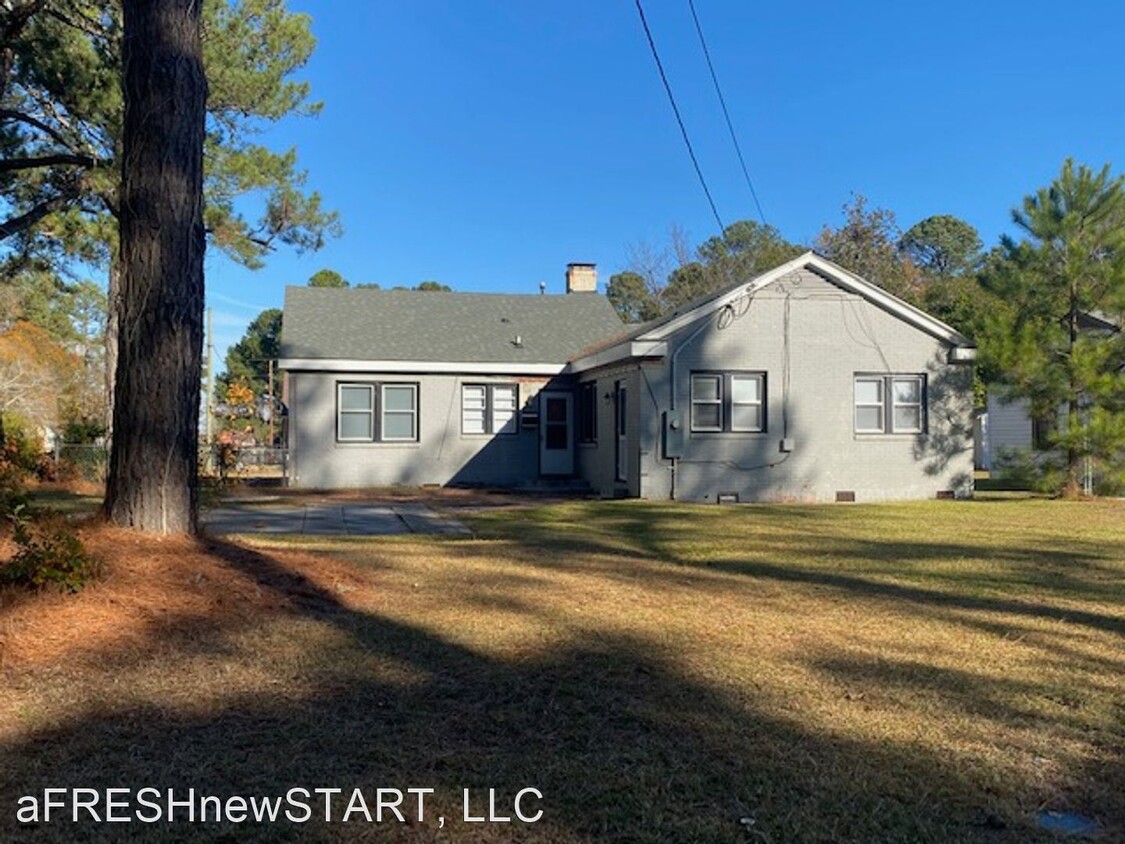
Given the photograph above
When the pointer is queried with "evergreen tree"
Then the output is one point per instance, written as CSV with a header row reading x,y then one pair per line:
x,y
942,246
327,278
153,484
61,136
1070,267
631,297
247,361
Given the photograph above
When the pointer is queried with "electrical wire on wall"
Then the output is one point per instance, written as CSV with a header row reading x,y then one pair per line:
x,y
732,313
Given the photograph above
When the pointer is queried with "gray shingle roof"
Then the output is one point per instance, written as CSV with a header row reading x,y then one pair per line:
x,y
432,326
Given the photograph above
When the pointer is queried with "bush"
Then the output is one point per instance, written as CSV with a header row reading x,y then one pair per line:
x,y
50,554
12,492
21,446
1045,472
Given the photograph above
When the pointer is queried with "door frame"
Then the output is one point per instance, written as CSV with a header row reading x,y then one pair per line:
x,y
568,396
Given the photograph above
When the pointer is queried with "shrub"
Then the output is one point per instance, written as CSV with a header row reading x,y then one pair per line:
x,y
50,555
12,492
21,446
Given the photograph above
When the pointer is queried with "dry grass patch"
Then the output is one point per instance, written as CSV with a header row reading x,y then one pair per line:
x,y
921,672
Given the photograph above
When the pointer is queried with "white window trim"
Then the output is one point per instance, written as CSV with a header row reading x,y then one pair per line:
x,y
888,405
857,404
370,411
489,409
920,404
384,413
760,378
726,403
714,376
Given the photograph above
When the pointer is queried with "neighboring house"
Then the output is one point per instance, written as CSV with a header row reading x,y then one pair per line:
x,y
806,383
1009,430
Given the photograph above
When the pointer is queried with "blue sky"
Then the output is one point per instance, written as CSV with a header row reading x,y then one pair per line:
x,y
486,143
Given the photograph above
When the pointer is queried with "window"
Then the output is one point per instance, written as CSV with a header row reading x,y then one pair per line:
x,y
400,412
621,427
489,408
588,412
728,402
356,413
890,404
1044,429
747,402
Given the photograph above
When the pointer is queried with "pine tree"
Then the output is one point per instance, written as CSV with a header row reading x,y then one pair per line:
x,y
153,484
1055,342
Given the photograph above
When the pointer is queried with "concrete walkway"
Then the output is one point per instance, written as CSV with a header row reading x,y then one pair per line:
x,y
357,519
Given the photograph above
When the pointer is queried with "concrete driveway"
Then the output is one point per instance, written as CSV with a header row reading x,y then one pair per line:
x,y
328,519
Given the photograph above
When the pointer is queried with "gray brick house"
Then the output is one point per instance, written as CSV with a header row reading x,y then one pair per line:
x,y
806,383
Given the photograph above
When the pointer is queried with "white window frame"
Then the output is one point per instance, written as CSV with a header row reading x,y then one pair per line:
x,y
707,402
760,379
888,403
896,404
369,412
503,426
881,404
509,426
412,413
726,402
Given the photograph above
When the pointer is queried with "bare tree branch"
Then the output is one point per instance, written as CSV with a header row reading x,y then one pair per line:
x,y
22,222
50,131
12,164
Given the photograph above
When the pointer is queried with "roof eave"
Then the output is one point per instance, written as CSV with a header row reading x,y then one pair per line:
x,y
629,350
420,367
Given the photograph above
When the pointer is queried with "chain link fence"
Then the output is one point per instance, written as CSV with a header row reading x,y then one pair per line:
x,y
90,462
81,460
225,460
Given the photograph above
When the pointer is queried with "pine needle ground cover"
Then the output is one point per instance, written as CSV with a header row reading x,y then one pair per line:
x,y
936,671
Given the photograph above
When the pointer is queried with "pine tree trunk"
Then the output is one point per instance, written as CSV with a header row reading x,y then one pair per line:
x,y
113,294
153,484
1072,486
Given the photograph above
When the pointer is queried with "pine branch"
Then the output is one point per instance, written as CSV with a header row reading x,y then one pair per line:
x,y
50,131
22,222
32,162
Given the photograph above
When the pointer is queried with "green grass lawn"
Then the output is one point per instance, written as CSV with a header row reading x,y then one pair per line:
x,y
933,671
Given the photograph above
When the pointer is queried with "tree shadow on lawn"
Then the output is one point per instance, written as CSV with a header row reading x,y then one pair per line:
x,y
881,590
622,744
1050,577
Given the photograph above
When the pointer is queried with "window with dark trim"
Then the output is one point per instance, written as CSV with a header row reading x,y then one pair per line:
x,y
621,429
890,404
728,402
489,408
1043,432
368,412
588,412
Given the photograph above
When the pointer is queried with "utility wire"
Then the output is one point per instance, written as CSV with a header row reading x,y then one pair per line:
x,y
679,120
726,114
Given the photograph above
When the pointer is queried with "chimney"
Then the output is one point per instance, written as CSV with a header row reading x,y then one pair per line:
x,y
581,278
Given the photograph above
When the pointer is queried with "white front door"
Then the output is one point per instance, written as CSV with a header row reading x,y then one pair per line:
x,y
556,445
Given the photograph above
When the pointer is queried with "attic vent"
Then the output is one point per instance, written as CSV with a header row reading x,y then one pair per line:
x,y
517,341
843,495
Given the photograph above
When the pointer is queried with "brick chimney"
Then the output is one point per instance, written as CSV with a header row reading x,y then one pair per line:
x,y
581,278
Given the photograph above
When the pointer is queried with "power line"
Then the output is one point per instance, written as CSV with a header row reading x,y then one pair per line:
x,y
679,120
726,114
